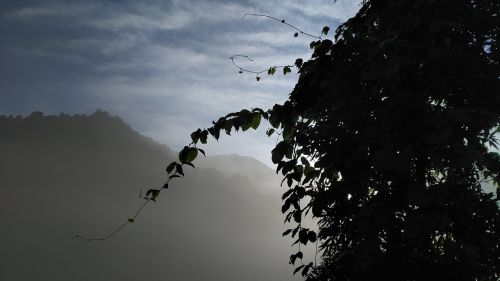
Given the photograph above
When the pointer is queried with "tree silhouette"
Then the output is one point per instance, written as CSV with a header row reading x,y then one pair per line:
x,y
387,139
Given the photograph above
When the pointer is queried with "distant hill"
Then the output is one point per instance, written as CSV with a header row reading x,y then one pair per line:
x,y
65,175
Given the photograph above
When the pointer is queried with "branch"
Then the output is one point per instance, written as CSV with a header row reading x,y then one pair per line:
x,y
283,22
133,218
270,71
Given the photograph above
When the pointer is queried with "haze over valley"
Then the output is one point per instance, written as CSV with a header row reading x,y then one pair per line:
x,y
65,175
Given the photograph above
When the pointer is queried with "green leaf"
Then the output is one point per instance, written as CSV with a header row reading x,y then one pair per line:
x,y
269,132
255,121
257,78
271,70
246,125
295,34
325,30
202,151
188,154
154,194
308,170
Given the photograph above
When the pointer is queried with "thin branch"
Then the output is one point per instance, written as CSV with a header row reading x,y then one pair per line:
x,y
118,229
242,69
283,22
131,219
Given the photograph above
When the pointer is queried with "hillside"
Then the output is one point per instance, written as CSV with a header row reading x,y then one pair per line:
x,y
65,175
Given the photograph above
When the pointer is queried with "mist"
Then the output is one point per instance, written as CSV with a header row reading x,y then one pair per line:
x,y
62,176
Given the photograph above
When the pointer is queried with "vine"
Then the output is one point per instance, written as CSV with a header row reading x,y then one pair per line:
x,y
244,120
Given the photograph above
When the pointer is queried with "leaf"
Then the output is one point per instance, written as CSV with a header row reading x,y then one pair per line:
x,y
257,78
246,125
130,220
203,136
313,44
303,236
271,70
154,194
306,269
255,121
304,161
286,70
286,194
274,121
269,132
279,152
188,154
295,34
288,231
194,135
297,216
178,169
311,235
165,186
298,269
174,176
299,62
190,164
171,167
325,30
202,151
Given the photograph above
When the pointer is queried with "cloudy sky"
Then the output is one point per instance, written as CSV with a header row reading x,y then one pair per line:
x,y
163,66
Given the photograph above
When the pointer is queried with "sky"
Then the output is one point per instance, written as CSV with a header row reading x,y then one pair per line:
x,y
162,66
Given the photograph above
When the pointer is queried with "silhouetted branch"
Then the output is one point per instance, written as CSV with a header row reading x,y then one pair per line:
x,y
133,218
283,22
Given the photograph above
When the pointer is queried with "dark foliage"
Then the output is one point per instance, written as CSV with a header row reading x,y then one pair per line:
x,y
389,135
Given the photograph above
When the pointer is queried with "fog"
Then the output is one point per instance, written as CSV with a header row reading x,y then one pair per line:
x,y
64,175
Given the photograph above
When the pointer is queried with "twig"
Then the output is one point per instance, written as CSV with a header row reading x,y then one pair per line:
x,y
283,22
129,220
242,69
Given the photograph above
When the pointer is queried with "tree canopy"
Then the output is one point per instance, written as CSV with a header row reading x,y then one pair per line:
x,y
387,138
389,133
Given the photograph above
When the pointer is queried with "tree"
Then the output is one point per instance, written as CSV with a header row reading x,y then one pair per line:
x,y
387,139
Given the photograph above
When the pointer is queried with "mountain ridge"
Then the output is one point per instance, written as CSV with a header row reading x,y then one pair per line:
x,y
68,175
